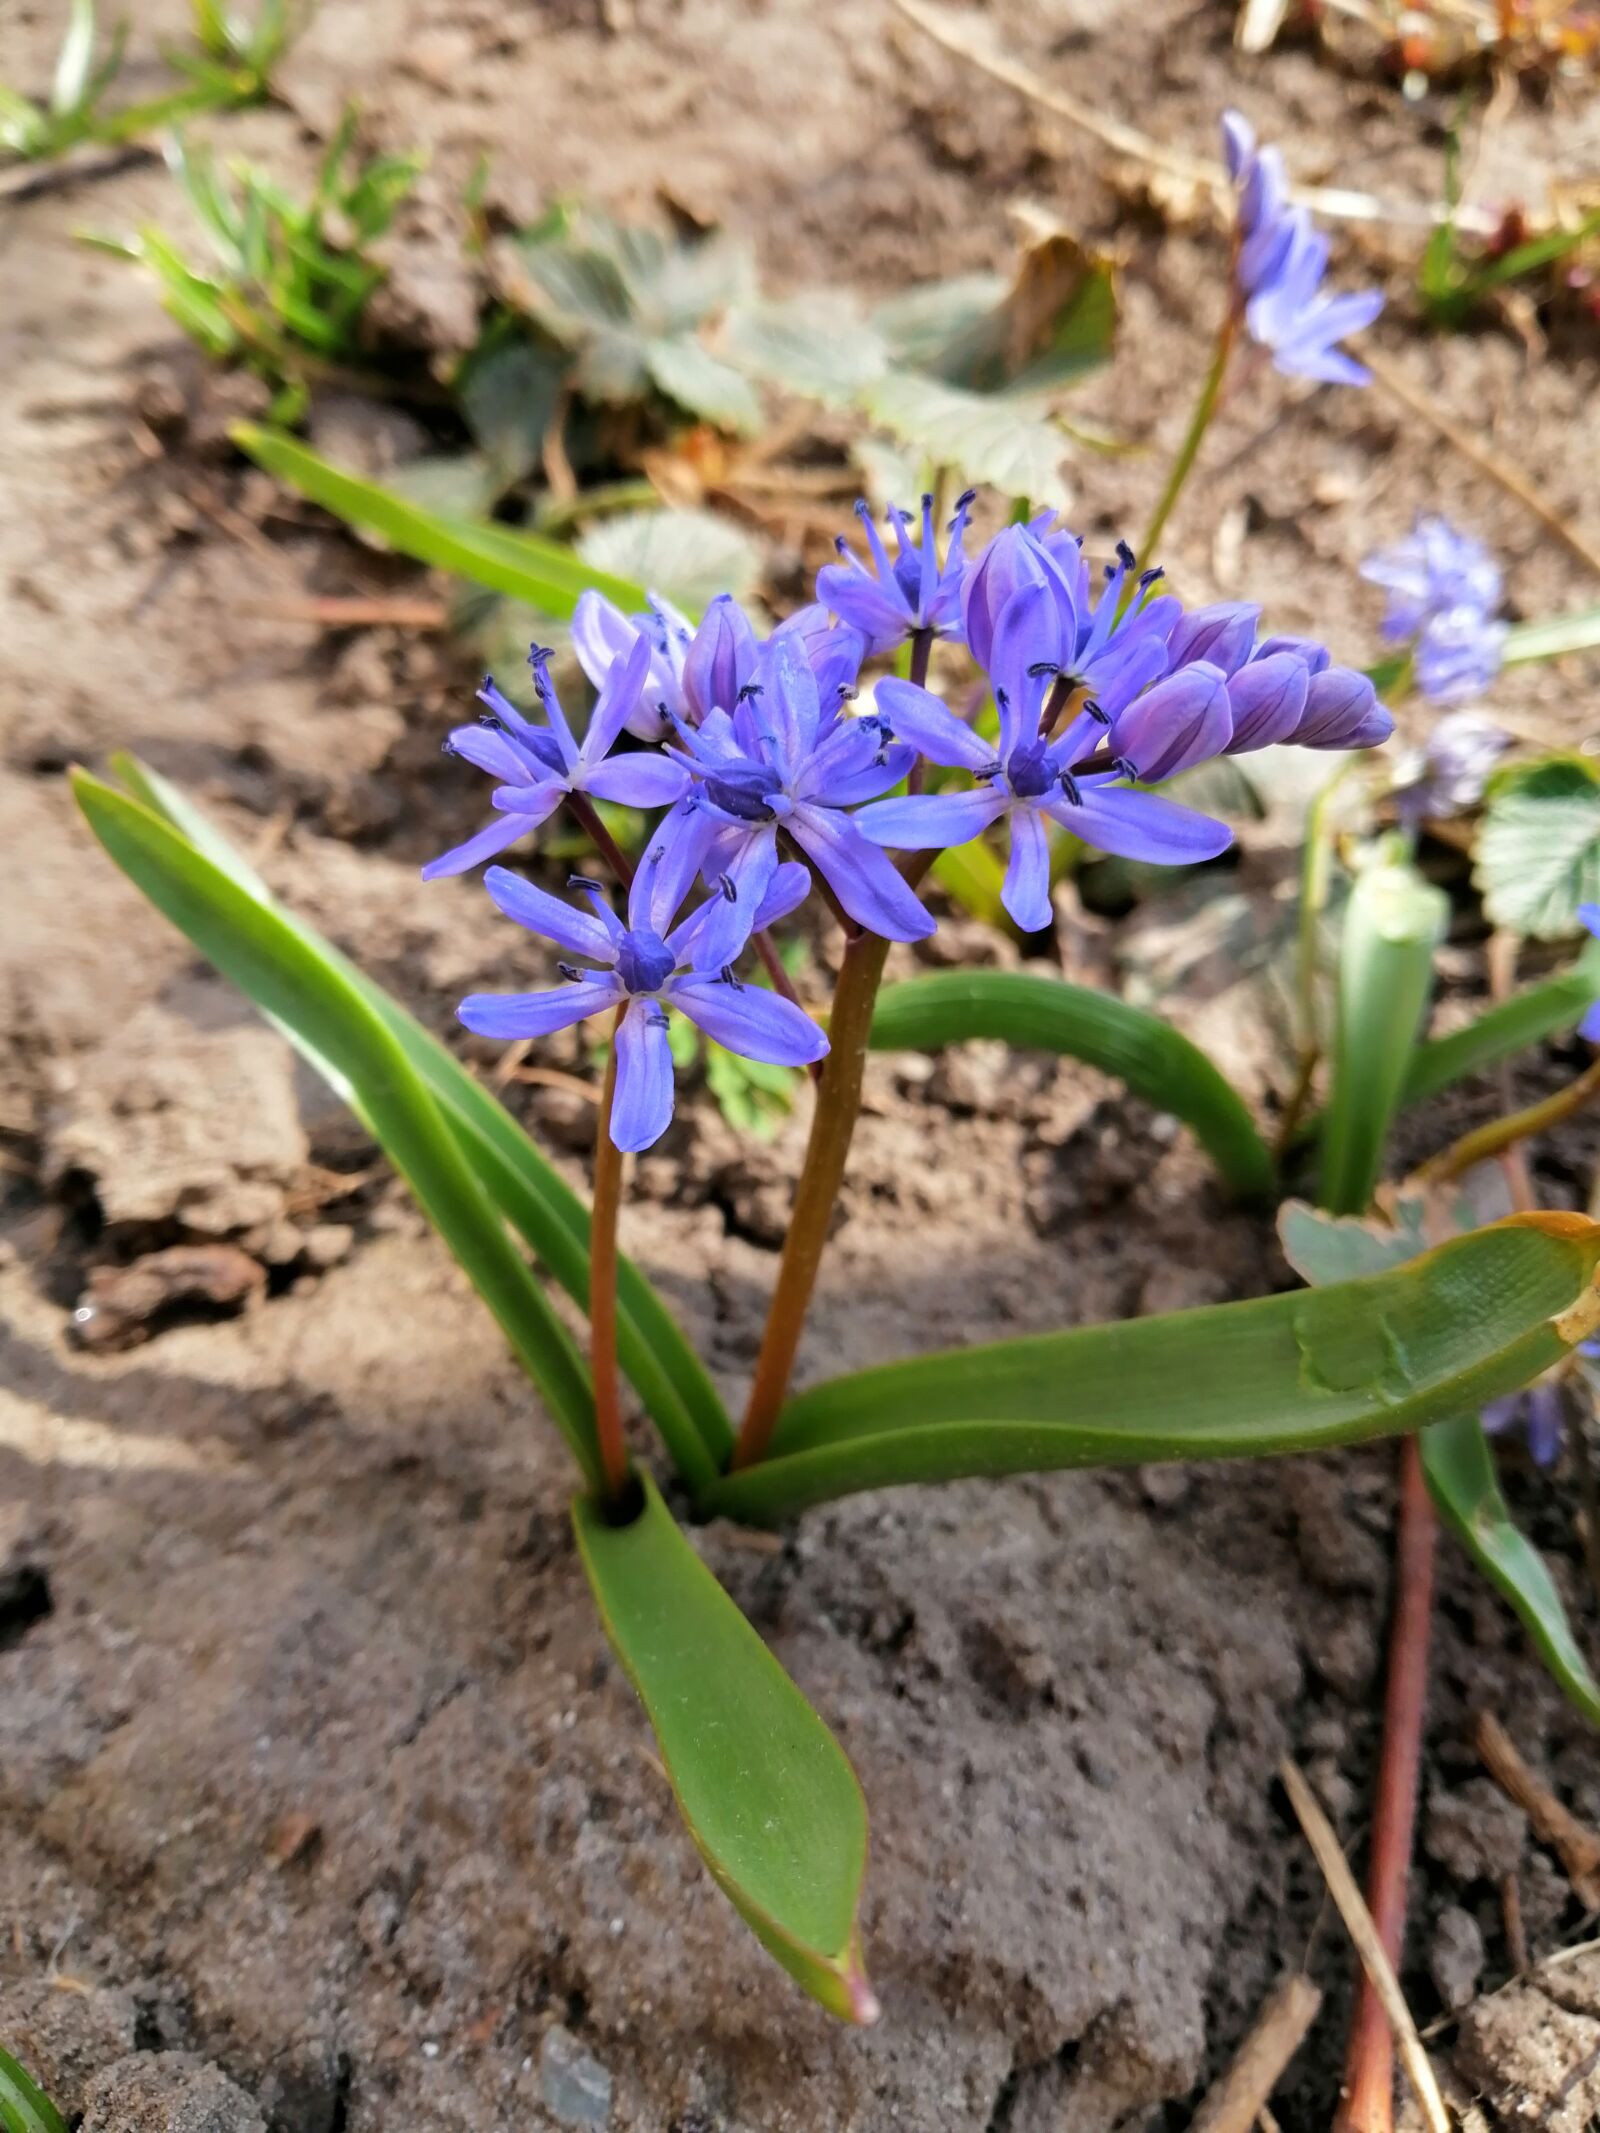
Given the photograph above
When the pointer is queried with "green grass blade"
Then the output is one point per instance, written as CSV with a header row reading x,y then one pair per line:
x,y
24,2107
1527,1018
764,1787
1393,923
267,959
68,90
973,876
548,576
1046,1014
659,1362
1550,637
1461,1477
1377,1357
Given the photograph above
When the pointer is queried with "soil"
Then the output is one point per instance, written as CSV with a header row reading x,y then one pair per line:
x,y
322,1805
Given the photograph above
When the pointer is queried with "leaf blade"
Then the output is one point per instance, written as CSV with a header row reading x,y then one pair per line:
x,y
1464,1324
24,2106
1048,1014
766,1791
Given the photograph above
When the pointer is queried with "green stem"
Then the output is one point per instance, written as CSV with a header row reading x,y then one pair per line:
x,y
1199,422
603,1283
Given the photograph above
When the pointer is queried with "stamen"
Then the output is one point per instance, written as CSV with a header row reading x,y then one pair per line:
x,y
1126,556
1043,666
751,690
1147,578
1125,769
448,747
966,500
1069,785
1001,699
570,972
587,883
1108,571
1102,718
727,978
841,543
729,889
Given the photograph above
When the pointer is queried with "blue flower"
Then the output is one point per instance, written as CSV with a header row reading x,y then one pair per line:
x,y
1538,1408
1444,592
1447,775
1279,690
1035,777
1279,268
603,634
778,763
538,766
651,966
1589,1027
892,600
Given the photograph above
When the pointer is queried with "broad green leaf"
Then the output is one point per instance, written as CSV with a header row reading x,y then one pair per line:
x,y
530,1193
817,345
1460,1473
1538,853
546,575
690,556
974,877
1552,636
984,436
510,396
24,2107
920,323
265,957
1500,1032
1393,922
700,382
1465,1324
764,1787
1053,324
1455,1454
1047,1014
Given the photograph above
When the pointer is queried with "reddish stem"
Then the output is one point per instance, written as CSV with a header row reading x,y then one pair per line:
x,y
1368,2105
585,813
921,651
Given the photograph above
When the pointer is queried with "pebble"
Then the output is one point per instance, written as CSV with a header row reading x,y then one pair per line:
x,y
576,2087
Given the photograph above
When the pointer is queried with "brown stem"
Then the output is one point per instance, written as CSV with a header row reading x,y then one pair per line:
x,y
917,672
1501,1133
1368,2105
586,815
833,1125
603,1283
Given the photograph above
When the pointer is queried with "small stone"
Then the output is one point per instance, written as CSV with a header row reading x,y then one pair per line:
x,y
1164,1487
1455,1955
326,1243
576,2087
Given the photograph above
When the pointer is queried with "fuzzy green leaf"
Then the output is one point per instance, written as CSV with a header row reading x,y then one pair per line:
x,y
690,556
703,384
1046,1014
764,1787
664,1370
817,345
1539,848
986,437
1465,1324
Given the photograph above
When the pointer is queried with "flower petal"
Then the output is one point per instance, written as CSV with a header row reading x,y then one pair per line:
x,y
1267,698
1140,825
865,880
749,1020
492,838
641,1109
537,1014
617,703
933,821
638,780
1025,891
579,932
1182,721
916,715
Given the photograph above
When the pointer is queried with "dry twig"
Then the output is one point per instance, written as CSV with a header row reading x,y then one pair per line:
x,y
1237,2101
1574,1843
1320,1835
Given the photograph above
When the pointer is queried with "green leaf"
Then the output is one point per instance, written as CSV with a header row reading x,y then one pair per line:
x,y
690,556
530,1193
1047,1014
546,575
817,345
24,128
1393,922
921,322
1538,853
764,1787
1054,324
1460,1474
985,437
24,2107
265,957
974,877
1465,1324
1551,637
706,386
510,397
1500,1032
1324,1249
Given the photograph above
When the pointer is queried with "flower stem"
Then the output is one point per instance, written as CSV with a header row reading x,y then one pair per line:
x,y
1368,2105
1199,422
1502,1133
917,673
603,1283
833,1125
587,816
782,984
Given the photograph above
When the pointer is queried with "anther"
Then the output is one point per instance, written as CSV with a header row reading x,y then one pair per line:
x,y
728,978
1126,556
1125,769
750,690
585,882
1147,578
1102,718
1069,785
1044,666
570,972
728,888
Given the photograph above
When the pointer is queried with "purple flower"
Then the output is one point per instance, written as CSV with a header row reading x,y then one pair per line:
x,y
652,966
1279,269
892,600
1034,778
1093,643
538,766
1538,1409
833,651
603,634
778,763
1448,773
1444,592
1589,1027
1458,655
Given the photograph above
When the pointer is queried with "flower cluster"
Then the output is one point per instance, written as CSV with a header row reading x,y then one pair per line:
x,y
771,775
1444,592
1280,260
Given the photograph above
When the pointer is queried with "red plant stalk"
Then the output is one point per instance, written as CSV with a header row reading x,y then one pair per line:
x,y
1368,2101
